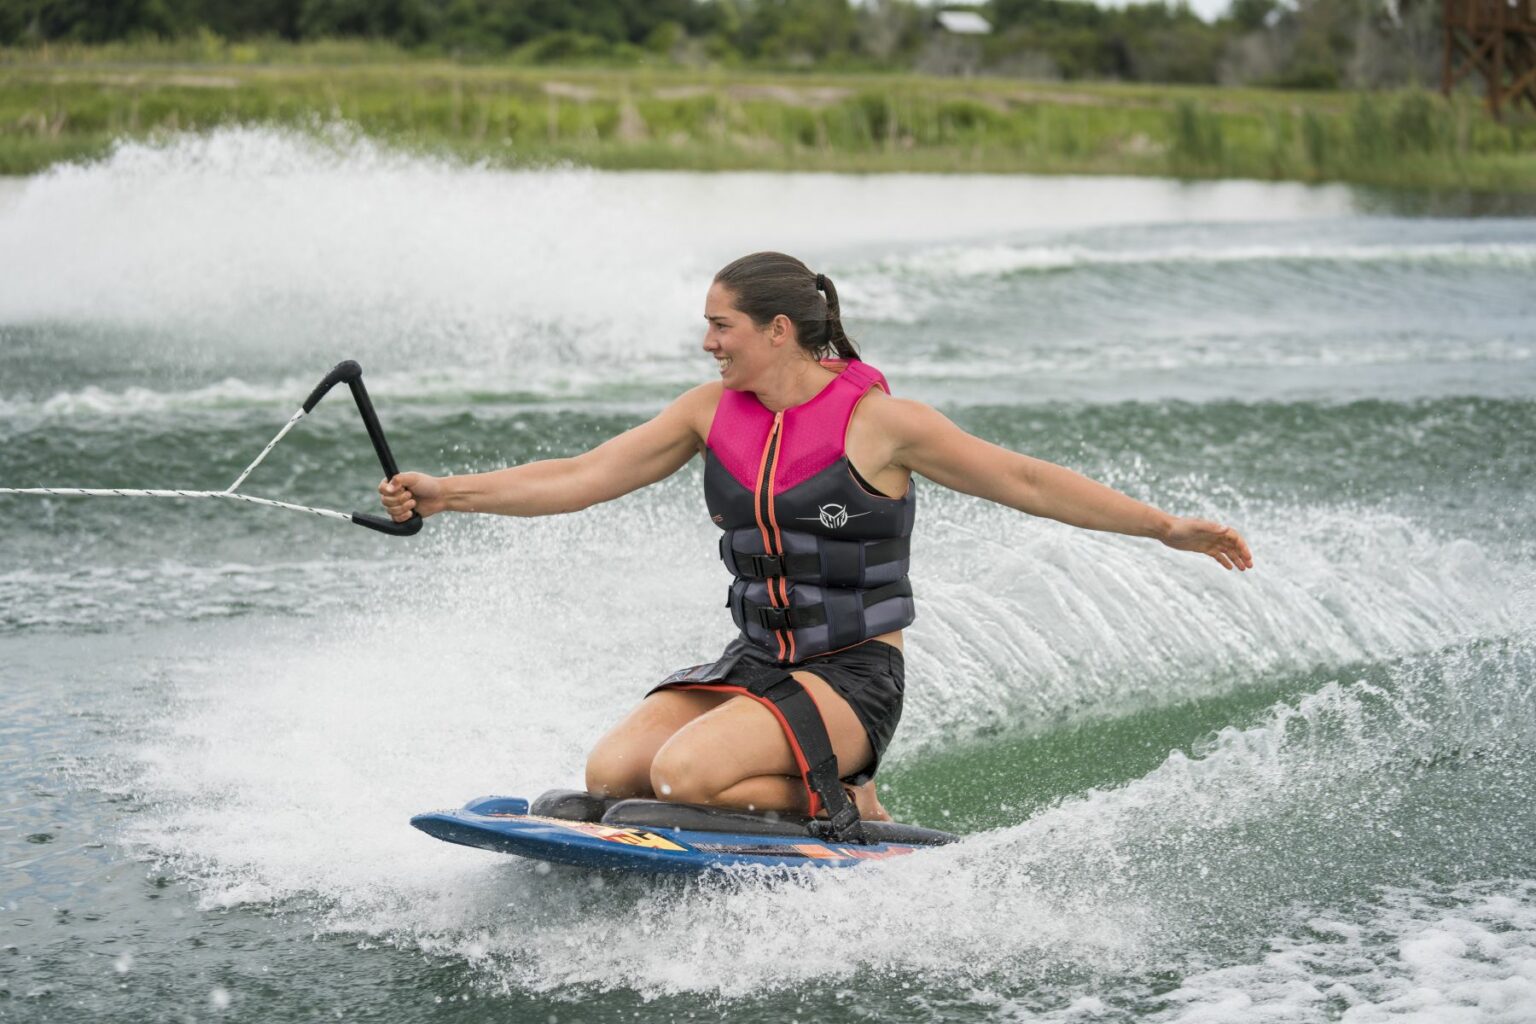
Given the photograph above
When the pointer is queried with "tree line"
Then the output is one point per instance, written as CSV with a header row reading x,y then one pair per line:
x,y
1288,43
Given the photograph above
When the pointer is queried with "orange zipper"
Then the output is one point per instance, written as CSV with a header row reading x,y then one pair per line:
x,y
778,596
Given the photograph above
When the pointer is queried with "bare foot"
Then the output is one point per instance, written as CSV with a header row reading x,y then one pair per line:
x,y
868,802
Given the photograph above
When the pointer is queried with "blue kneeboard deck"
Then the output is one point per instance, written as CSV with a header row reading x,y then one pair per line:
x,y
504,825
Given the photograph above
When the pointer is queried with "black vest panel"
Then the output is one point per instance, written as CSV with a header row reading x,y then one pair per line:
x,y
820,567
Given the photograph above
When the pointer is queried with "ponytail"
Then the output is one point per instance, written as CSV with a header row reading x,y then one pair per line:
x,y
766,284
837,339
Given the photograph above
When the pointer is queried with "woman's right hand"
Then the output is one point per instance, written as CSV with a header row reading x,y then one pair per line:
x,y
412,492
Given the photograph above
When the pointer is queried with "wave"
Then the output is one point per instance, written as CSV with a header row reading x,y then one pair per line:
x,y
94,400
549,388
190,265
267,242
1431,952
106,597
1002,260
255,795
981,375
281,242
1026,626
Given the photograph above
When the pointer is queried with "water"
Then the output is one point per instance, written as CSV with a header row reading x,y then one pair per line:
x,y
1298,794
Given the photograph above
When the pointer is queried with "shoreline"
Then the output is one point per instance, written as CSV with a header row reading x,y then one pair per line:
x,y
75,106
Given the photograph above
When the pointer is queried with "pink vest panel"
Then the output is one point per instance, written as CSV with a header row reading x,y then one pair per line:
x,y
812,436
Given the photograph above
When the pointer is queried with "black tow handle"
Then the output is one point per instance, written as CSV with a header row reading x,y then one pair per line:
x,y
351,374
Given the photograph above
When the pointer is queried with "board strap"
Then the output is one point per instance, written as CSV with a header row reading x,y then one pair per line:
x,y
804,728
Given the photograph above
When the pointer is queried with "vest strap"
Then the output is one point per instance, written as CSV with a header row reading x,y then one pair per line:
x,y
809,616
761,567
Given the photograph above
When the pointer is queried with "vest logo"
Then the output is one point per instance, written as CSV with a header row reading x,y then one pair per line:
x,y
833,516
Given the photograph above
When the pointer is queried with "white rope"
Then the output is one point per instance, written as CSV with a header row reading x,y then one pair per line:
x,y
129,492
232,488
229,492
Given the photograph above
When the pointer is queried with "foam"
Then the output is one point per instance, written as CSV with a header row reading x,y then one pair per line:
x,y
1456,954
104,596
998,260
289,751
294,755
274,243
1028,623
271,243
290,786
546,385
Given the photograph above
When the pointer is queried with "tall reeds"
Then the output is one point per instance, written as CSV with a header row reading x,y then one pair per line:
x,y
54,109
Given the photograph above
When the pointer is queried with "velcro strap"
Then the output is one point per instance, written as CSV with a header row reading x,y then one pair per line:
x,y
899,588
881,551
772,618
811,615
803,728
807,733
842,816
762,567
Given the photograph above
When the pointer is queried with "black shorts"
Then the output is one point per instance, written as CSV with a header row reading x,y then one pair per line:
x,y
870,676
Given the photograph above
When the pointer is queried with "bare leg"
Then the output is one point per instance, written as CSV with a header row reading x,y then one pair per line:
x,y
736,755
868,802
620,765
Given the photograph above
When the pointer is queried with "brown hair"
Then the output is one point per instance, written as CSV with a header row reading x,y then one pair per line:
x,y
766,284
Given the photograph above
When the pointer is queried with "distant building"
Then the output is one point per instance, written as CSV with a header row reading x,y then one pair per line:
x,y
964,23
954,43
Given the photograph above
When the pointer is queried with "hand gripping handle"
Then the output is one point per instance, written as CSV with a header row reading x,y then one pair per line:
x,y
351,374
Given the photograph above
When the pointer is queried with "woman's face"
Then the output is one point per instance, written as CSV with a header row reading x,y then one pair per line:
x,y
741,349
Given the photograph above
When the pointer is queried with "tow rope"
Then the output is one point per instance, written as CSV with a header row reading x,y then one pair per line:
x,y
348,372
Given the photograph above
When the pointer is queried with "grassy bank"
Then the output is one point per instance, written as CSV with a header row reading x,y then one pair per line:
x,y
69,104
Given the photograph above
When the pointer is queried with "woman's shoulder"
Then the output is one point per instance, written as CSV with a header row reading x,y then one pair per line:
x,y
702,396
879,407
698,404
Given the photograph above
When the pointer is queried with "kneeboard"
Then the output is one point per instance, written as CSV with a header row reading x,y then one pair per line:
x,y
658,845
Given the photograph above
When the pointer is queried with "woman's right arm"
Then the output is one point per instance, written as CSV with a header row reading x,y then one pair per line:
x,y
643,455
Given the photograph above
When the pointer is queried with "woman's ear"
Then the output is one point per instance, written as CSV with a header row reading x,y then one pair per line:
x,y
781,330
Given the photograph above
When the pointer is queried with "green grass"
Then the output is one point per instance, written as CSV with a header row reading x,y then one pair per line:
x,y
69,104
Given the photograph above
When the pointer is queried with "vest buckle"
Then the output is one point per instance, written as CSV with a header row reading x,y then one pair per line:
x,y
773,618
764,566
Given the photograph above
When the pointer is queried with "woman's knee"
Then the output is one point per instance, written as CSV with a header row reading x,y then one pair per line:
x,y
677,773
620,764
613,771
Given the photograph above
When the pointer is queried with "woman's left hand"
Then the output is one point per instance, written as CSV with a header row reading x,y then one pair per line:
x,y
1222,543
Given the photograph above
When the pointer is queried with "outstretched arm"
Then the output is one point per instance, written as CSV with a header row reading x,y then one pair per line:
x,y
643,455
926,442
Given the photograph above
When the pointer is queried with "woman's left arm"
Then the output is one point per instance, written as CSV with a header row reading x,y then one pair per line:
x,y
925,441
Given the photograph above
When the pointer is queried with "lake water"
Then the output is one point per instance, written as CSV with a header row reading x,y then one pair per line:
x,y
1297,794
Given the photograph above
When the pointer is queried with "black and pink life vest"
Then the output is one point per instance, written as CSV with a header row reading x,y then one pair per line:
x,y
820,559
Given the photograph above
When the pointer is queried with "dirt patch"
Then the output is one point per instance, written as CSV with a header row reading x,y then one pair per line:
x,y
202,81
814,97
1141,144
1065,99
682,92
185,81
566,90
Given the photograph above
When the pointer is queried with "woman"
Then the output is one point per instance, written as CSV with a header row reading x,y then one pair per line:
x,y
808,465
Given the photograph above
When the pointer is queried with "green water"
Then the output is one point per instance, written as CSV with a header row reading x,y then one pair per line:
x,y
1299,794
